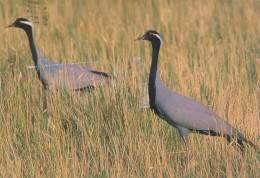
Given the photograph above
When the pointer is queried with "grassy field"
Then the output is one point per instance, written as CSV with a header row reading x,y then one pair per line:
x,y
211,53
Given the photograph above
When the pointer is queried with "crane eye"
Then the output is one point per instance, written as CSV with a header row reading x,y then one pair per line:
x,y
150,33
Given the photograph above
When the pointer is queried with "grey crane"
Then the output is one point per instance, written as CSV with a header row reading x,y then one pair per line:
x,y
70,76
185,114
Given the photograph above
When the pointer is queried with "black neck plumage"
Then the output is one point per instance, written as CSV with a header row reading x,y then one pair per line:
x,y
33,50
153,75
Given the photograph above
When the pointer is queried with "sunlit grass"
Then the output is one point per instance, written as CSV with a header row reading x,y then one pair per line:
x,y
210,53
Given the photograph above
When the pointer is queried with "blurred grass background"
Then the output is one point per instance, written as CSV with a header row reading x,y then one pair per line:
x,y
211,53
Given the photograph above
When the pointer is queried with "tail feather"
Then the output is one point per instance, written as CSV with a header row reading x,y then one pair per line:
x,y
241,140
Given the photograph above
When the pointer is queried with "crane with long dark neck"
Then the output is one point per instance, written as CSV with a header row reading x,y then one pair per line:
x,y
70,76
184,113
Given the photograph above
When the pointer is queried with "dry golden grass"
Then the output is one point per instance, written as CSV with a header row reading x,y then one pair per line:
x,y
210,53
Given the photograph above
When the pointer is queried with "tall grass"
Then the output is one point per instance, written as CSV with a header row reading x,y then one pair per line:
x,y
210,53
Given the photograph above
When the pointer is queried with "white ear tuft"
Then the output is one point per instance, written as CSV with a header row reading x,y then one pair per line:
x,y
158,36
28,23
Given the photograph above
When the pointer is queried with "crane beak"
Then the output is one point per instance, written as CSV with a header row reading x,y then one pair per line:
x,y
139,38
12,25
136,39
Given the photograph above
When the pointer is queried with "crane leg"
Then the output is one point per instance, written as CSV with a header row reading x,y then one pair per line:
x,y
184,134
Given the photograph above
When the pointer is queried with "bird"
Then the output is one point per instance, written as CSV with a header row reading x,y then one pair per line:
x,y
181,112
72,77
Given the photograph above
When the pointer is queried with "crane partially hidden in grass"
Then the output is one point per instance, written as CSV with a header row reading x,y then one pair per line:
x,y
72,77
184,113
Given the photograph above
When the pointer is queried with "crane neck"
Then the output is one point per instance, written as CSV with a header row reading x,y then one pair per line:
x,y
36,55
33,47
154,78
154,65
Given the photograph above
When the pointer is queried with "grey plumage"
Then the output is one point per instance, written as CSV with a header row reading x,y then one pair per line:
x,y
184,113
69,76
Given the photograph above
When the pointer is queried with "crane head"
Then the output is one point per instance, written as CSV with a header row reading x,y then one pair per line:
x,y
152,36
22,23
